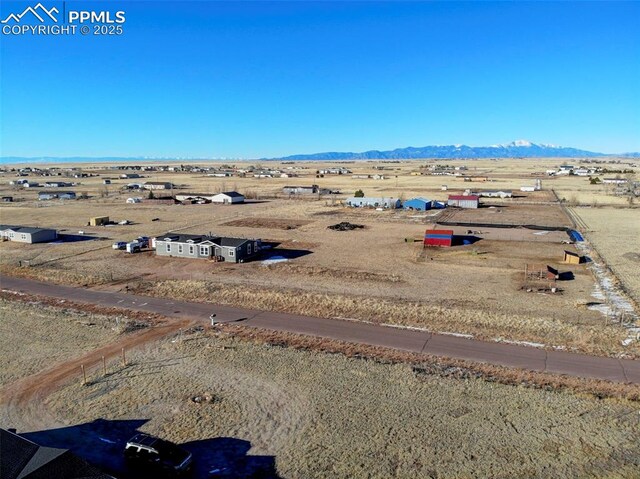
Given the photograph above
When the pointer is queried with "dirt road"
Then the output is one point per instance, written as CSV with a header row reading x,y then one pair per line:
x,y
25,398
509,355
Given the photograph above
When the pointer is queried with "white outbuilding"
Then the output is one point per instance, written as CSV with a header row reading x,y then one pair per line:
x,y
228,197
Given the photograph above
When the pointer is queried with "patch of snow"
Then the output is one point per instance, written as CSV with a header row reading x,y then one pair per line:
x,y
521,343
613,299
18,293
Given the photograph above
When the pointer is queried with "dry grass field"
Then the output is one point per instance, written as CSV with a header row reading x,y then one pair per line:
x,y
35,337
372,273
616,235
329,416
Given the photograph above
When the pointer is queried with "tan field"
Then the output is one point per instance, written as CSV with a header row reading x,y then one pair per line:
x,y
616,235
37,337
371,274
320,415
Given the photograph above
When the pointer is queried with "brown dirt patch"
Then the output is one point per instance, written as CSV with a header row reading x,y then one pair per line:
x,y
272,223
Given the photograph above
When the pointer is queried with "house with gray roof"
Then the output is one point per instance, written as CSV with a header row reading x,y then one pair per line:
x,y
27,234
235,250
21,458
390,203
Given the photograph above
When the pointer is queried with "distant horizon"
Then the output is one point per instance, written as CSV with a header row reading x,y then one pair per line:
x,y
7,160
268,79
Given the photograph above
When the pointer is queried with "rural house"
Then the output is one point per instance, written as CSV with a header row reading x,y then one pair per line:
x,y
390,203
236,250
227,197
300,190
157,185
22,458
494,194
52,195
27,234
56,184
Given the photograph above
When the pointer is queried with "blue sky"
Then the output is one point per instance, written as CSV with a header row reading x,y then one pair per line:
x,y
262,79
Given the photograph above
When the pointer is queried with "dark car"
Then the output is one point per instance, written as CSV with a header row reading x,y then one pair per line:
x,y
157,456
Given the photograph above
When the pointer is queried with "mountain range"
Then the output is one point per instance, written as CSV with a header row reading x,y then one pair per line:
x,y
515,149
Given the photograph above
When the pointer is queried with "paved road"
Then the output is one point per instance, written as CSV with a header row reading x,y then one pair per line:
x,y
515,356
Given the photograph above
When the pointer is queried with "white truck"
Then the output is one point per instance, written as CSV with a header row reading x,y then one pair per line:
x,y
134,247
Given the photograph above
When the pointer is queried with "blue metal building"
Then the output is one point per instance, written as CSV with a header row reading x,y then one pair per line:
x,y
418,204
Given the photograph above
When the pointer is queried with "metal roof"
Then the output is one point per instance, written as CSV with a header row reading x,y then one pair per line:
x,y
24,229
439,232
197,239
464,197
233,194
23,458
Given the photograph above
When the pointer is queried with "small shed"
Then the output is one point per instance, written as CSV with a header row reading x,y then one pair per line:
x,y
438,238
99,221
464,201
573,258
419,204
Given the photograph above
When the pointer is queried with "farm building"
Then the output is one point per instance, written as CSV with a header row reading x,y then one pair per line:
x,y
52,195
157,185
391,203
236,250
573,258
7,199
614,181
438,238
27,234
463,201
99,221
419,204
128,176
228,197
528,189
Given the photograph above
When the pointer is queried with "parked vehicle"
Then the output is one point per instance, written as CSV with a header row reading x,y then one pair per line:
x,y
134,247
143,240
119,245
156,455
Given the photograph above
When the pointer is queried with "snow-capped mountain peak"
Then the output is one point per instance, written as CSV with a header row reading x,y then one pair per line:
x,y
520,143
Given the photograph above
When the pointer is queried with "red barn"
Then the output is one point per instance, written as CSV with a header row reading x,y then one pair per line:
x,y
438,238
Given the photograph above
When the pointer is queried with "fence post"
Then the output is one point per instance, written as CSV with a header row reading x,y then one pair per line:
x,y
84,375
124,360
104,366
